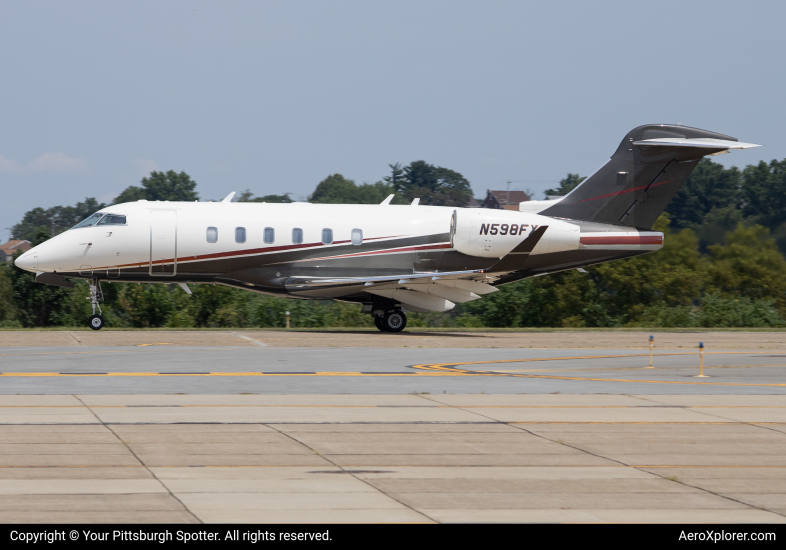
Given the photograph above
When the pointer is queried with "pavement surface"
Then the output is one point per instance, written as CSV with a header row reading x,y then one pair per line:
x,y
264,426
404,458
372,338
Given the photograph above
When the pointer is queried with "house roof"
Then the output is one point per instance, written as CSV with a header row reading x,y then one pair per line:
x,y
509,197
14,246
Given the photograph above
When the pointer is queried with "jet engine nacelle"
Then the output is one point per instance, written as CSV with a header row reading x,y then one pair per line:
x,y
491,233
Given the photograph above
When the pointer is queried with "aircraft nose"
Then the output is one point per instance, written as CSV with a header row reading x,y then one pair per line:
x,y
28,260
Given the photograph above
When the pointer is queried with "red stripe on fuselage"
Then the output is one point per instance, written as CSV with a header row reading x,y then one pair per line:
x,y
637,239
235,253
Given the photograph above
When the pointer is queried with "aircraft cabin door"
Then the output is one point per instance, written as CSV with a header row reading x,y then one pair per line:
x,y
163,243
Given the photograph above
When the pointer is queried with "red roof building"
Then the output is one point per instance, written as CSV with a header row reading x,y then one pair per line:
x,y
507,200
10,248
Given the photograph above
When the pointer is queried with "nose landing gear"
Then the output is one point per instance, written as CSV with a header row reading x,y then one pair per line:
x,y
95,322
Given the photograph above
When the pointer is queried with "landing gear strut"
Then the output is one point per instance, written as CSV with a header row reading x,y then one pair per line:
x,y
96,321
392,321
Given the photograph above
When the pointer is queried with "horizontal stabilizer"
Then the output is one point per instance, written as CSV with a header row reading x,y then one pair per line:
x,y
704,143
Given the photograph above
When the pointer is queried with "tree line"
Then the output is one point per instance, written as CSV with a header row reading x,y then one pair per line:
x,y
722,264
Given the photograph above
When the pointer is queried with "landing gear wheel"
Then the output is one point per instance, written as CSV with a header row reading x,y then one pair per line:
x,y
379,323
96,322
394,321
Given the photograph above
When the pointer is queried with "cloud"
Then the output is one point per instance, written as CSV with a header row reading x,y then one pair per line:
x,y
54,163
59,163
145,166
9,166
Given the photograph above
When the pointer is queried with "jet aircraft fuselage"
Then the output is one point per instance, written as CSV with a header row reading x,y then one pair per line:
x,y
389,258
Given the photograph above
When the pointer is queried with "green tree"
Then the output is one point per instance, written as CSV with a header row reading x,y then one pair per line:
x,y
7,304
764,190
57,218
248,196
397,178
336,189
710,195
160,186
433,185
35,304
566,185
748,265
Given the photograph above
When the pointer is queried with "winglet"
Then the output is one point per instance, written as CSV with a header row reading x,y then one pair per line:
x,y
388,199
228,198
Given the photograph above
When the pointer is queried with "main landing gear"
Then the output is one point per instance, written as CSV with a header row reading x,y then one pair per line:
x,y
95,322
392,321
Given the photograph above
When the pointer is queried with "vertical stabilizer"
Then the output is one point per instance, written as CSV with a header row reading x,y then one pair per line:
x,y
642,176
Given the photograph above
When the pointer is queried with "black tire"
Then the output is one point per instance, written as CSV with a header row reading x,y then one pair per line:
x,y
96,322
378,322
395,321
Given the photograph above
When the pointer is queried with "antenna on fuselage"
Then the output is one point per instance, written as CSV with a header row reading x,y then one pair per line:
x,y
228,198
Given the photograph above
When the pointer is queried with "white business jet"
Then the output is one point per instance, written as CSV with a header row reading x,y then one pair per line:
x,y
387,258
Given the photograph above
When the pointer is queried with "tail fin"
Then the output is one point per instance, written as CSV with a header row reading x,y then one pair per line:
x,y
640,179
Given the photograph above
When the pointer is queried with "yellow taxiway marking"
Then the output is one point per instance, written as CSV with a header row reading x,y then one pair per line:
x,y
426,369
443,367
142,374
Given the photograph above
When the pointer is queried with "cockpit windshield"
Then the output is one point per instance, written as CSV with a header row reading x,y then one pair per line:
x,y
107,219
90,220
112,219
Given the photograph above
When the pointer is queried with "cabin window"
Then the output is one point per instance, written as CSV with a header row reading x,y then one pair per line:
x,y
212,235
327,236
270,235
297,235
357,237
240,234
112,219
90,220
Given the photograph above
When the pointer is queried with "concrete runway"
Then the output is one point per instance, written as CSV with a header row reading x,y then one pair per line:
x,y
228,370
351,427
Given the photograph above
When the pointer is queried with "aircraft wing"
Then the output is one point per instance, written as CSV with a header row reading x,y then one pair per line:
x,y
422,291
424,277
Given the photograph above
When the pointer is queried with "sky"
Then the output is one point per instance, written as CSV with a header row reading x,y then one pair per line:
x,y
274,96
